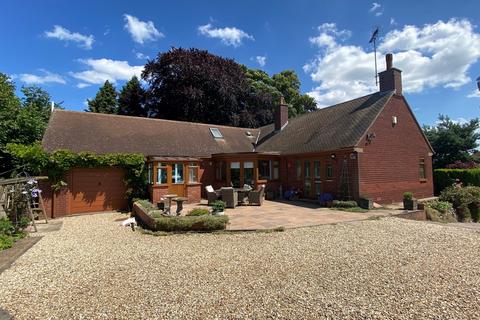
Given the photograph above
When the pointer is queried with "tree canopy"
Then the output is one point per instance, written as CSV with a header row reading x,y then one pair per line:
x,y
21,120
452,141
194,85
131,99
105,100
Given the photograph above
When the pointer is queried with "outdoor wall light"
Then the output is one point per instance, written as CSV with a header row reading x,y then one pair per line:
x,y
333,156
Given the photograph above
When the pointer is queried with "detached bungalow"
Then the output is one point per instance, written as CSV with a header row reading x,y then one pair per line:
x,y
370,146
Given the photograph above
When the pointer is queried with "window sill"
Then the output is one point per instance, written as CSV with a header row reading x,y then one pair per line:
x,y
193,183
423,180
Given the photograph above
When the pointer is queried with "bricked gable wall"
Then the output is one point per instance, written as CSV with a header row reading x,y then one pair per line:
x,y
389,164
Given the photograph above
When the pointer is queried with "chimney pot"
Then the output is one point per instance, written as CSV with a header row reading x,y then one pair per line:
x,y
281,114
391,78
389,60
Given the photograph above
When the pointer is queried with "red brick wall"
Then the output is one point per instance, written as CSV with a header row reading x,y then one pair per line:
x,y
288,173
389,165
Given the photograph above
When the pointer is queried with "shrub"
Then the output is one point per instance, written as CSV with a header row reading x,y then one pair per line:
x,y
6,241
438,216
408,195
6,227
156,213
191,223
218,206
198,212
465,201
444,178
441,206
344,204
147,205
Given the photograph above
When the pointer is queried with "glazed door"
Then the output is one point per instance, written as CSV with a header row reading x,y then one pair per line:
x,y
307,179
176,181
317,182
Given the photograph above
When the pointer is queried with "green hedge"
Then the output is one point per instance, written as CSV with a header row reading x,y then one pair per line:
x,y
344,204
446,177
191,223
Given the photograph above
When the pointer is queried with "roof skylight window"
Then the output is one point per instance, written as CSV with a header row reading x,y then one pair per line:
x,y
216,133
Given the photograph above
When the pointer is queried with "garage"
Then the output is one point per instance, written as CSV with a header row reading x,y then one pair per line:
x,y
96,190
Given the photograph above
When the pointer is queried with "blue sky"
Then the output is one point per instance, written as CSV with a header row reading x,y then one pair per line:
x,y
70,47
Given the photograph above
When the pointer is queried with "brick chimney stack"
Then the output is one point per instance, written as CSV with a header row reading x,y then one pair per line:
x,y
281,115
391,78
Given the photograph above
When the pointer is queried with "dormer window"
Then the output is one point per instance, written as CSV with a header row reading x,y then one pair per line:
x,y
216,133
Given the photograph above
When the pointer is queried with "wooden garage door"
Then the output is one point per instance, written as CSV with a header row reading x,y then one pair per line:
x,y
95,190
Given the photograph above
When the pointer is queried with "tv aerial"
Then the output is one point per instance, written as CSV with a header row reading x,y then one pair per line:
x,y
373,39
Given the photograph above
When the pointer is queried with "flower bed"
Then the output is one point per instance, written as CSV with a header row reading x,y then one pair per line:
x,y
150,218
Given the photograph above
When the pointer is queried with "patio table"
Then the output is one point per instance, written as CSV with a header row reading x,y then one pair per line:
x,y
242,194
169,198
179,201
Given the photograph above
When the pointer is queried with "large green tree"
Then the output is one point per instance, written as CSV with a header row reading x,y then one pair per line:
x,y
452,141
131,99
194,85
21,120
105,100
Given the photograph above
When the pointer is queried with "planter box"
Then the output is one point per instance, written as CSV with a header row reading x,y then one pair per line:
x,y
365,203
142,217
410,204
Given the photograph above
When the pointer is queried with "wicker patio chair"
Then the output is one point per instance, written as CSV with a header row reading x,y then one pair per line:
x,y
212,195
256,197
230,197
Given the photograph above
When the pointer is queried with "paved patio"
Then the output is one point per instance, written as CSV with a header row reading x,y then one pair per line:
x,y
273,214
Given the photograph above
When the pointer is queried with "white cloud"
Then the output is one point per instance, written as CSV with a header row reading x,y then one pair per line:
x,y
141,31
375,6
378,13
229,36
64,34
82,85
46,78
106,69
438,54
474,94
393,22
140,55
261,60
328,35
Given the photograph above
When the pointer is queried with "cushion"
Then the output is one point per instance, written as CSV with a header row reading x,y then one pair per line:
x,y
209,189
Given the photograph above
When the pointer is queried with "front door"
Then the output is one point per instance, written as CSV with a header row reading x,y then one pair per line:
x,y
307,179
176,183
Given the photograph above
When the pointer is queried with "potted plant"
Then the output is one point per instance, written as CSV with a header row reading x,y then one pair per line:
x,y
218,208
365,203
409,202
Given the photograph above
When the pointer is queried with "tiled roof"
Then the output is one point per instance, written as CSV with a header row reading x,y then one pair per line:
x,y
336,127
331,128
104,133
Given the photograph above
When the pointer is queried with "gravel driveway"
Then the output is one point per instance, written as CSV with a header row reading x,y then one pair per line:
x,y
376,269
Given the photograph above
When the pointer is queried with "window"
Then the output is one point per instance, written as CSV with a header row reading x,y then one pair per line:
x,y
329,170
177,173
275,170
316,169
216,133
235,174
248,173
422,172
192,172
264,169
149,173
306,168
221,170
298,169
162,173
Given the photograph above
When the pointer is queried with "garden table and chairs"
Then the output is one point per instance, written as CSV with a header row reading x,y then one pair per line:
x,y
169,198
179,201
